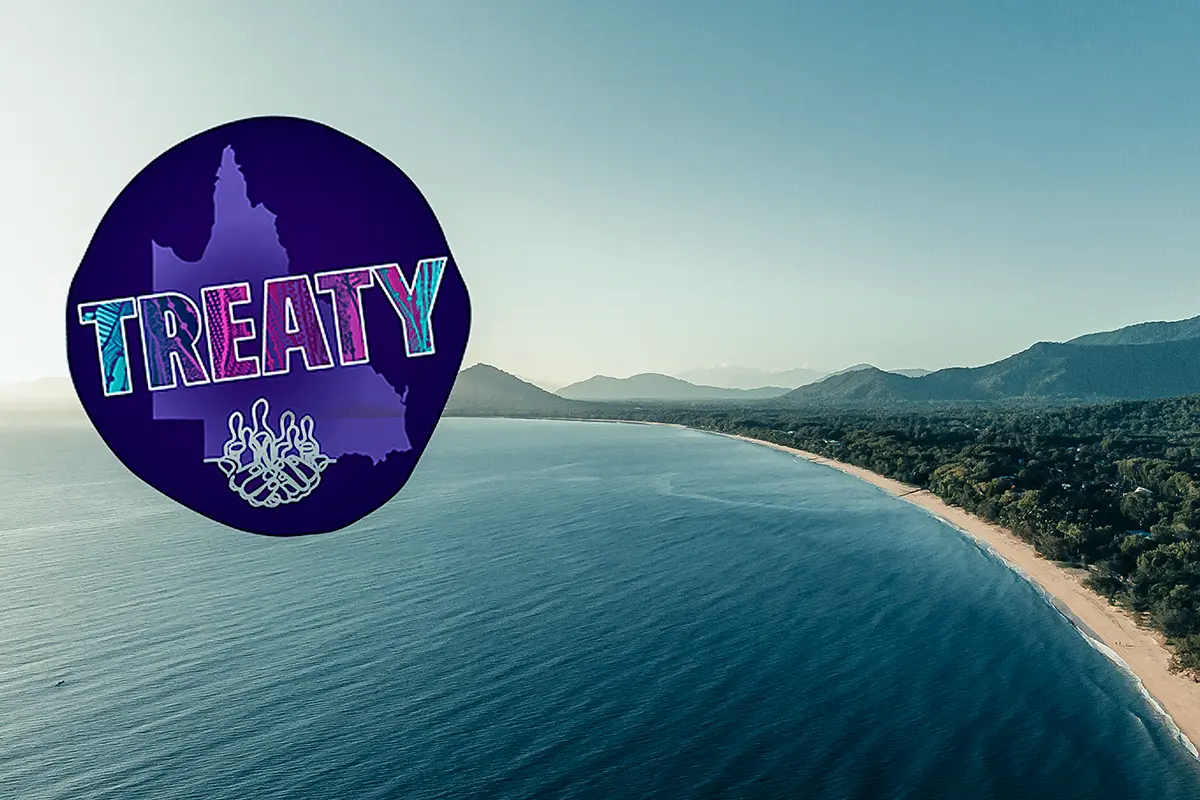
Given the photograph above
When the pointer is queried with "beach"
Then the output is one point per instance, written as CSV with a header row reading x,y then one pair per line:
x,y
1114,631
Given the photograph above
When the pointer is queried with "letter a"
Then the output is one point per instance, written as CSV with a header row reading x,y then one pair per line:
x,y
291,322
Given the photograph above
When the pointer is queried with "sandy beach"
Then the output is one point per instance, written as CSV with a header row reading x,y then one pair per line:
x,y
1113,630
1141,651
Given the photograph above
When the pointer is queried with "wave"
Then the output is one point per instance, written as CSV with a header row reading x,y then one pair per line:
x,y
1089,636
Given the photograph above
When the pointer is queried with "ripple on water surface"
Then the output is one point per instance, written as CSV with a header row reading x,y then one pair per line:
x,y
547,610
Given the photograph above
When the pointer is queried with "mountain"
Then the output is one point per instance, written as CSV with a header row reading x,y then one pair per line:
x,y
46,400
486,391
869,385
1046,371
549,386
910,373
51,389
1144,333
1149,360
731,376
653,386
855,368
48,394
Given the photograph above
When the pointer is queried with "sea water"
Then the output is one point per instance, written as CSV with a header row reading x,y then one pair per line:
x,y
547,610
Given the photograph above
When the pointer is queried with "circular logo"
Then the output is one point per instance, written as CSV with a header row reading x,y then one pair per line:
x,y
267,324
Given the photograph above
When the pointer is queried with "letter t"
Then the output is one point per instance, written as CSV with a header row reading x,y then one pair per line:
x,y
109,318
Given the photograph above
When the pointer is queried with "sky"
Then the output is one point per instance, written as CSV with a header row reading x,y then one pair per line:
x,y
659,186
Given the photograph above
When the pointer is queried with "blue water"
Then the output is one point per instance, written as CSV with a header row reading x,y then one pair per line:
x,y
548,610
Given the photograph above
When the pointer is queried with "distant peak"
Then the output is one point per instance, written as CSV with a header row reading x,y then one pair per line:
x,y
482,368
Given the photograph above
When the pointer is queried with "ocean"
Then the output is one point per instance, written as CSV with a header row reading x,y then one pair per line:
x,y
547,610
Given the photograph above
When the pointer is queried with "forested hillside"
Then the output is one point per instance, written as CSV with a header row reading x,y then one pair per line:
x,y
1113,488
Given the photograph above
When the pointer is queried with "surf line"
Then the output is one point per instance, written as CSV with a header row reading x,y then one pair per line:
x,y
172,325
988,549
1094,640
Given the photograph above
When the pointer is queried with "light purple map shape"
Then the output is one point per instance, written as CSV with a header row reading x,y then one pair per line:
x,y
346,403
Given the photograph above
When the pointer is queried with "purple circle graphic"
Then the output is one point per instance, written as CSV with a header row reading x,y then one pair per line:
x,y
267,324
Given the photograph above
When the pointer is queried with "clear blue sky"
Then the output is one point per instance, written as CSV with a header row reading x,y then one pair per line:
x,y
656,186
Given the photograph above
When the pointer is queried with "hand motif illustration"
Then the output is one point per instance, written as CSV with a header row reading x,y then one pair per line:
x,y
269,468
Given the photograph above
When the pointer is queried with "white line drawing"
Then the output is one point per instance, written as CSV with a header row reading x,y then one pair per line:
x,y
269,469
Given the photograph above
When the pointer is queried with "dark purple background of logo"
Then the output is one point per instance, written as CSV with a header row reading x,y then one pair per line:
x,y
338,204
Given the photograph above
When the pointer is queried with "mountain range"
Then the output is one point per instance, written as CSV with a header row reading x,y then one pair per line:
x,y
483,390
908,373
653,386
1157,359
1149,360
730,376
1144,333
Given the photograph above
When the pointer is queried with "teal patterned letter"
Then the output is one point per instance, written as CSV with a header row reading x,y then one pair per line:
x,y
109,318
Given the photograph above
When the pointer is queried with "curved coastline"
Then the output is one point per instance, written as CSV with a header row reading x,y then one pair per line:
x,y
1137,651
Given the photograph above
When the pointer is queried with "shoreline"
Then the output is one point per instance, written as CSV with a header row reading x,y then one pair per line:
x,y
1140,652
